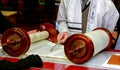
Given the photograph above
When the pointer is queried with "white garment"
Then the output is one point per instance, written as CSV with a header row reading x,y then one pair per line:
x,y
102,13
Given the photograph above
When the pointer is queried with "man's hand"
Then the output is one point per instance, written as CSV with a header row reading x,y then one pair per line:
x,y
62,37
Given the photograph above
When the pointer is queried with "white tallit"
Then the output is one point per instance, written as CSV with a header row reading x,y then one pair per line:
x,y
102,13
65,14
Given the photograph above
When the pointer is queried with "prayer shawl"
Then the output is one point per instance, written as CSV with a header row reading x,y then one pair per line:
x,y
102,13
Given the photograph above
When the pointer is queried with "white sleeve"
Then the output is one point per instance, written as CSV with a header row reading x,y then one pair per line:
x,y
61,17
111,17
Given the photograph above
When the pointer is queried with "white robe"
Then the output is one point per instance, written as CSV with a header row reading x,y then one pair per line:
x,y
102,13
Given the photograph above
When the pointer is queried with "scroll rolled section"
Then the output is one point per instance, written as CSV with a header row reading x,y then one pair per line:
x,y
79,48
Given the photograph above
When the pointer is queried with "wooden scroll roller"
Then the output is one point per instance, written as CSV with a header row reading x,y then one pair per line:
x,y
16,41
79,48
